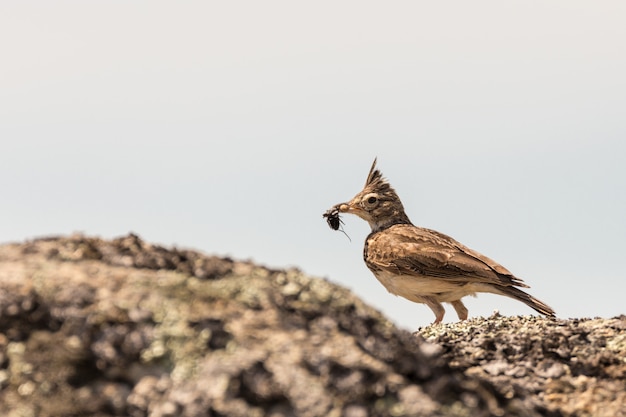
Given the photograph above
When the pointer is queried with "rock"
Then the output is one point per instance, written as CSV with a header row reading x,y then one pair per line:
x,y
569,367
126,328
123,327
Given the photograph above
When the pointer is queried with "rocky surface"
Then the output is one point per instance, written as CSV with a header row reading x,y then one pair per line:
x,y
125,328
571,367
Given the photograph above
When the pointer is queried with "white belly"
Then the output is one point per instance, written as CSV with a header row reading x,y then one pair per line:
x,y
415,287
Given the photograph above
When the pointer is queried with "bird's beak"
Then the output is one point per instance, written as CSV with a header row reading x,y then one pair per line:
x,y
347,208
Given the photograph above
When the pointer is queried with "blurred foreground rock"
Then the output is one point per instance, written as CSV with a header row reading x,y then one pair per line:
x,y
125,328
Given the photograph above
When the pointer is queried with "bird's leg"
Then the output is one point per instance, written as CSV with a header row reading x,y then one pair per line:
x,y
436,307
461,310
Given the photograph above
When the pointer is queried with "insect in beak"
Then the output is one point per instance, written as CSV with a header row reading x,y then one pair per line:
x,y
334,221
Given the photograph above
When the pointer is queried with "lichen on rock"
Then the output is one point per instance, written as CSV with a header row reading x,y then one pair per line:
x,y
126,328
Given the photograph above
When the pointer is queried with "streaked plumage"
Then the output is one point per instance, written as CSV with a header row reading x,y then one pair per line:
x,y
423,265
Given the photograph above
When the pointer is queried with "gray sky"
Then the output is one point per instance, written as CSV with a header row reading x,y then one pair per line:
x,y
230,127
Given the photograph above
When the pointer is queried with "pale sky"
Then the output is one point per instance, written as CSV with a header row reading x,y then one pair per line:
x,y
230,127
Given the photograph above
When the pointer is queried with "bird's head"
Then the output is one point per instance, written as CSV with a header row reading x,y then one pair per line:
x,y
377,203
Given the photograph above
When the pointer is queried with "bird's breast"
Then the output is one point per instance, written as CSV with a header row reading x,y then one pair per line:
x,y
414,287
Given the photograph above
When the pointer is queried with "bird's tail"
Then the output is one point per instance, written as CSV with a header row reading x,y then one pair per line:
x,y
527,299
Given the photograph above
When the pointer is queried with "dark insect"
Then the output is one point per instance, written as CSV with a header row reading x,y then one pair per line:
x,y
334,221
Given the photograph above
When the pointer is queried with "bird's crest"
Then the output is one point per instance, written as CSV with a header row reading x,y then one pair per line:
x,y
375,180
374,174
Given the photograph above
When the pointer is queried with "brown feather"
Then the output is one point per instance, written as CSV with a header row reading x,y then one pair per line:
x,y
408,249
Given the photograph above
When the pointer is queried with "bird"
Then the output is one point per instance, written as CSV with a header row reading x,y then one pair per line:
x,y
424,265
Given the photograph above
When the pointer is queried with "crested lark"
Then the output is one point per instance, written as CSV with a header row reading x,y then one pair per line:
x,y
423,265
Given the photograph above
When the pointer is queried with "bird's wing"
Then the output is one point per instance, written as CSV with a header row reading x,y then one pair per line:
x,y
410,250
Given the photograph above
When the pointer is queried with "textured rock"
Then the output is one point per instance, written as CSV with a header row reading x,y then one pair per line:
x,y
571,367
125,328
93,327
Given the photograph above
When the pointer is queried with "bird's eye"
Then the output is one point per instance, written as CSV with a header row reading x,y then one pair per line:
x,y
370,201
